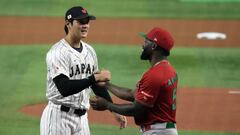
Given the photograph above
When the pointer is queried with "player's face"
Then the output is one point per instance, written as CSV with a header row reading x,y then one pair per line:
x,y
147,50
80,28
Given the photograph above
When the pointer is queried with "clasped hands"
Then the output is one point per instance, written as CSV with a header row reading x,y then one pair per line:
x,y
102,77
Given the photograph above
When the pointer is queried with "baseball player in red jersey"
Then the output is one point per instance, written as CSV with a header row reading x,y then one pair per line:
x,y
154,99
72,73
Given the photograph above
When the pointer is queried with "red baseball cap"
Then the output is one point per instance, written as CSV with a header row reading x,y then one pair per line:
x,y
161,37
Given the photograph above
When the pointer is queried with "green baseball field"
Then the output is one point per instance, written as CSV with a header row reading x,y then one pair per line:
x,y
208,96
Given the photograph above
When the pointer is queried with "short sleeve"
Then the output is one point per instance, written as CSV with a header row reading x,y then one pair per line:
x,y
148,90
57,63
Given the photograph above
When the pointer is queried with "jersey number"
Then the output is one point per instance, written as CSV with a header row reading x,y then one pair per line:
x,y
174,96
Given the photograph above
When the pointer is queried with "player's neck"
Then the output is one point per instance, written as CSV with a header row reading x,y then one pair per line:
x,y
73,42
156,60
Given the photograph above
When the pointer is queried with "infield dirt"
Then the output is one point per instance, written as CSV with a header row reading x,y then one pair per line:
x,y
46,30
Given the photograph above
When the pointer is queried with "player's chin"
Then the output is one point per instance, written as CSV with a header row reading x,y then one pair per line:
x,y
84,35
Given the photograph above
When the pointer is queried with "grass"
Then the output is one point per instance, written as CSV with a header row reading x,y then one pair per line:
x,y
197,67
207,67
210,1
23,75
125,8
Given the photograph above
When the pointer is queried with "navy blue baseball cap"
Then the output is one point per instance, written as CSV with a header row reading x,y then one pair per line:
x,y
78,12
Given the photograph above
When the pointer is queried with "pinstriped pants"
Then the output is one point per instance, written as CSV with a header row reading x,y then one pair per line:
x,y
56,122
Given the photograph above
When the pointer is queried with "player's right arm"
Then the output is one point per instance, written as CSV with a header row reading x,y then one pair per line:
x,y
68,87
121,92
58,61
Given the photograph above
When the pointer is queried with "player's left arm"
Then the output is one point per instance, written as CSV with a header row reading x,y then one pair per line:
x,y
135,108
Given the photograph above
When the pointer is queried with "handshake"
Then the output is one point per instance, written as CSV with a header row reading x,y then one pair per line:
x,y
102,77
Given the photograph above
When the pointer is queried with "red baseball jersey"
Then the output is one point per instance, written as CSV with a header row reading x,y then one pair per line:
x,y
157,90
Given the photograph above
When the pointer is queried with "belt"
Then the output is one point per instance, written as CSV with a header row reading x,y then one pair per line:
x,y
78,112
158,126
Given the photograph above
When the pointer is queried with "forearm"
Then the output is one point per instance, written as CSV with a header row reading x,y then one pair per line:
x,y
132,109
123,93
102,92
68,87
123,109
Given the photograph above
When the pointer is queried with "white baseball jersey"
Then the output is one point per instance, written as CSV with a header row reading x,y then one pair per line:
x,y
63,59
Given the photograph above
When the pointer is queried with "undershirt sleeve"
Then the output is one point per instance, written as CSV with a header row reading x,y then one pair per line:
x,y
102,92
68,87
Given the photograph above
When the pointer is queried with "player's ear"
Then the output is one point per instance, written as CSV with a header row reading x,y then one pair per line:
x,y
67,22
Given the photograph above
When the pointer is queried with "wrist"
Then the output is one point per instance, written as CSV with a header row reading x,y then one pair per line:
x,y
92,78
109,106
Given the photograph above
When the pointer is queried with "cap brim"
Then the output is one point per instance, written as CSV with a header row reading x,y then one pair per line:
x,y
142,34
90,17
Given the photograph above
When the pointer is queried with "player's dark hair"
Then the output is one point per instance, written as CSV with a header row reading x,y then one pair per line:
x,y
65,27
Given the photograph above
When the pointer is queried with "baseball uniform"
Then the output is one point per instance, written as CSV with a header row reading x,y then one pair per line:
x,y
154,102
157,90
61,116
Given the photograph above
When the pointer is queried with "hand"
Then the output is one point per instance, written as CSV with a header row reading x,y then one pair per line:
x,y
98,103
102,76
122,120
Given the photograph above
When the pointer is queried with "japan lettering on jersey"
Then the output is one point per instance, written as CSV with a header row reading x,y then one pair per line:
x,y
63,59
157,90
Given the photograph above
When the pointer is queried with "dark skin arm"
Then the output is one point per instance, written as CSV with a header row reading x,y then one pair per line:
x,y
120,92
135,108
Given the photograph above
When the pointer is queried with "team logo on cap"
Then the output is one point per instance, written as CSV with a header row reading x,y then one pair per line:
x,y
155,39
84,11
69,16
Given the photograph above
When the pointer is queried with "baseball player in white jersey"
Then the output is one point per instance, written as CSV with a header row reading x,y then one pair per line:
x,y
72,72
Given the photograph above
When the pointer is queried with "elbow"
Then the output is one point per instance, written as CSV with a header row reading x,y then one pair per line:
x,y
63,93
63,90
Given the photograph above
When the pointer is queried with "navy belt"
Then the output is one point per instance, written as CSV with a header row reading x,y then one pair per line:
x,y
78,112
